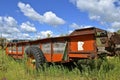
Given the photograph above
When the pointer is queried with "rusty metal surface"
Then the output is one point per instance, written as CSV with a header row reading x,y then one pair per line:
x,y
115,38
77,32
83,31
81,43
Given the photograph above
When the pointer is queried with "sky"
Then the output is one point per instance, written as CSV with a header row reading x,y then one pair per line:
x,y
34,19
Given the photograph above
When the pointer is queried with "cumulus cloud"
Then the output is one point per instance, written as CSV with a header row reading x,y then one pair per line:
x,y
105,11
23,36
5,35
52,19
111,29
116,25
44,34
76,26
70,31
8,25
10,29
28,27
48,17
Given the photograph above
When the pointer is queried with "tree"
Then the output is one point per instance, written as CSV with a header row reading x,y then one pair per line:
x,y
48,35
2,43
118,31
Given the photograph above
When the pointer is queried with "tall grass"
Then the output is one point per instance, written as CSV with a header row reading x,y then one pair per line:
x,y
11,69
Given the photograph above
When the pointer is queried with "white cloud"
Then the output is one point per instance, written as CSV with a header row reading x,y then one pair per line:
x,y
10,21
111,29
28,27
26,35
5,35
29,11
70,31
23,36
116,25
101,10
48,17
8,25
52,19
10,29
44,34
17,36
93,17
76,26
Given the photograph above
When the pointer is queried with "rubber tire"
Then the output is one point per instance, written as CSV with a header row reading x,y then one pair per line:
x,y
37,54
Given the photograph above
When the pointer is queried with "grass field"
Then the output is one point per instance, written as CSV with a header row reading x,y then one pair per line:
x,y
11,69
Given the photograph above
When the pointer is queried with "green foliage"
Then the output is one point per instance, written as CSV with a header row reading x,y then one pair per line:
x,y
48,35
118,31
109,69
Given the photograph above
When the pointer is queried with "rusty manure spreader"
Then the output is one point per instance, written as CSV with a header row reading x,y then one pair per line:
x,y
87,43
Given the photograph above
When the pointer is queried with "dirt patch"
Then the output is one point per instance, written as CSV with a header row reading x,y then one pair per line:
x,y
4,78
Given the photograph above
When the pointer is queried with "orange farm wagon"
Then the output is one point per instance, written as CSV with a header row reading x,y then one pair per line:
x,y
80,44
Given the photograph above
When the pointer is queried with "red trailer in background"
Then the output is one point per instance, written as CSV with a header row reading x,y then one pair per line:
x,y
80,44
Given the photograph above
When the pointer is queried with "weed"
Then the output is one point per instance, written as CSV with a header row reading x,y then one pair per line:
x,y
109,69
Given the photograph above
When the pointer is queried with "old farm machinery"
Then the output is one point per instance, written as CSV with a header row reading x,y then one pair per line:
x,y
3,43
80,44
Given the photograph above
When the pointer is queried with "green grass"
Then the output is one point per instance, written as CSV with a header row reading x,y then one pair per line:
x,y
11,69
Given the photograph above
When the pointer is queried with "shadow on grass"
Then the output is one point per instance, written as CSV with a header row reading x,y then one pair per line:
x,y
86,64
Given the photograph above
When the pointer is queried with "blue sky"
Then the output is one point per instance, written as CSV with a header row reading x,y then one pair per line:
x,y
32,19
